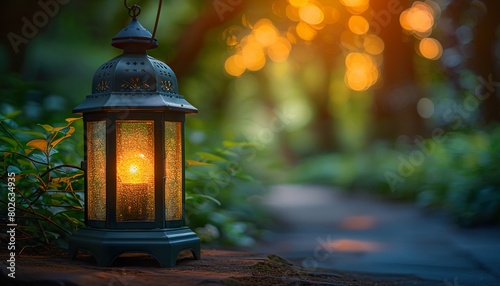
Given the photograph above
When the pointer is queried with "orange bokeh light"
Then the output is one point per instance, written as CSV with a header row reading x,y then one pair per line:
x,y
419,19
280,50
356,6
430,48
373,44
358,25
298,3
305,32
353,245
265,32
311,14
361,73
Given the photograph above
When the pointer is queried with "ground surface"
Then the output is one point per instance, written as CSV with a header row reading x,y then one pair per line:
x,y
327,228
216,268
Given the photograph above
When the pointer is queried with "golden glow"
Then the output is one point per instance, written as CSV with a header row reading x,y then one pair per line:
x,y
305,32
280,50
173,170
292,13
96,170
418,19
356,6
298,3
311,14
332,15
234,65
358,25
265,32
430,48
265,40
373,44
362,71
253,56
135,170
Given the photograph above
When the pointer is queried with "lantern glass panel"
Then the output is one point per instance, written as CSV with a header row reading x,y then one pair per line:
x,y
135,188
173,170
96,171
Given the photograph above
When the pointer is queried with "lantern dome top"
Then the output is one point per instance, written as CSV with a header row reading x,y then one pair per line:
x,y
134,38
134,80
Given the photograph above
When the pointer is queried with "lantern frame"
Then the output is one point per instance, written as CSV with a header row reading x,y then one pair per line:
x,y
123,94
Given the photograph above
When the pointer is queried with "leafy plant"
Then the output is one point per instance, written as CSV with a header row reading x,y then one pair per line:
x,y
49,197
220,196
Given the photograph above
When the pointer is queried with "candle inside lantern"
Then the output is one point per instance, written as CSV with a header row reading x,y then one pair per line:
x,y
135,171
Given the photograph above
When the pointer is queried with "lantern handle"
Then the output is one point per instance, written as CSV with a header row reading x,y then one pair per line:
x,y
133,11
156,22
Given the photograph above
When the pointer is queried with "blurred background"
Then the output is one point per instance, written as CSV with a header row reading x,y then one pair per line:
x,y
398,98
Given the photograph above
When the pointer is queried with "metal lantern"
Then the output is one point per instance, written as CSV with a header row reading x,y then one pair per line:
x,y
134,157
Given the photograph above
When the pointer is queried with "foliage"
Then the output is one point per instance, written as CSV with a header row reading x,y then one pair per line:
x,y
457,171
49,200
218,178
49,187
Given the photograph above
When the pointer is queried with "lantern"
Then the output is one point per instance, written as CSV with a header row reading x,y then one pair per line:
x,y
134,157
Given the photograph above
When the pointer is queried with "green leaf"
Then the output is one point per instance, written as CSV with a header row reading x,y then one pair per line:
x,y
13,169
39,158
47,127
68,134
8,140
70,120
197,163
204,197
210,157
231,144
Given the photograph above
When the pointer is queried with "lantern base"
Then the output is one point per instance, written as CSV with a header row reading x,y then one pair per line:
x,y
107,244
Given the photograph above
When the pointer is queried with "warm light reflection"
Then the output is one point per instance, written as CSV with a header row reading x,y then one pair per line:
x,y
430,48
358,222
418,19
352,245
305,32
358,25
292,13
332,15
298,3
373,44
356,6
265,32
135,170
280,50
264,40
362,71
311,14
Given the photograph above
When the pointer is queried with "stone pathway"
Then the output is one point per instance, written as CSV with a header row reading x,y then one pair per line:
x,y
322,228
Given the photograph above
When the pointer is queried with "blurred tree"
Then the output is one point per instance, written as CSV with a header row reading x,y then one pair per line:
x,y
397,95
